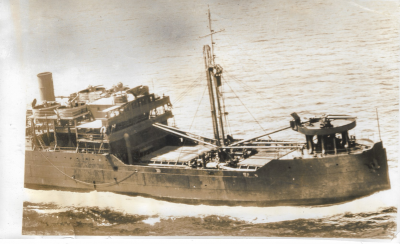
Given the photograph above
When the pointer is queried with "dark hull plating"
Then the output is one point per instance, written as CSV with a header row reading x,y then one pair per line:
x,y
312,181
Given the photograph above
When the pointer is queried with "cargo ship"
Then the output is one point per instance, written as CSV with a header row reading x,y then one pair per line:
x,y
122,140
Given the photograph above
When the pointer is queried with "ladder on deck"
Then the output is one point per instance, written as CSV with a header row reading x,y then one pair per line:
x,y
41,142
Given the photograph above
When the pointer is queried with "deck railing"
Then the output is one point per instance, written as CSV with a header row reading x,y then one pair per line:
x,y
92,136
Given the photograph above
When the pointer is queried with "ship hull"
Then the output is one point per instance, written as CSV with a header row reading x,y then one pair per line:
x,y
313,181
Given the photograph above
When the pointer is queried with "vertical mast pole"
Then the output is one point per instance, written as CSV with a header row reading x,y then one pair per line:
x,y
48,130
379,129
34,132
76,135
209,68
220,125
219,106
212,41
55,134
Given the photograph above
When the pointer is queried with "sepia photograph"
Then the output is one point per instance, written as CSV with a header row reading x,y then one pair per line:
x,y
203,118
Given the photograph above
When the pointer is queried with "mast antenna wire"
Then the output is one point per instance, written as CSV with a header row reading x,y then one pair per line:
x,y
245,106
184,92
198,106
187,89
245,86
248,55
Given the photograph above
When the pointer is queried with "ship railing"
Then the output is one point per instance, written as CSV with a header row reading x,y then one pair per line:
x,y
281,154
248,167
92,136
58,148
53,148
368,135
332,152
93,150
168,163
276,143
80,150
42,128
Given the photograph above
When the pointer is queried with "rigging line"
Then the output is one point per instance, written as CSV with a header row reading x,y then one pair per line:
x,y
194,87
243,83
233,77
191,85
224,107
242,50
252,89
244,106
198,106
229,126
326,102
248,87
184,92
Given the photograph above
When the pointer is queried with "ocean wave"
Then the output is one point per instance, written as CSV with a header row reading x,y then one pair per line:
x,y
98,221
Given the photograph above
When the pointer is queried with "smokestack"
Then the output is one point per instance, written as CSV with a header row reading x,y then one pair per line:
x,y
46,88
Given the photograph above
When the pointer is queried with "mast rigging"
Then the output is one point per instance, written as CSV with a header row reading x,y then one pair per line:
x,y
214,73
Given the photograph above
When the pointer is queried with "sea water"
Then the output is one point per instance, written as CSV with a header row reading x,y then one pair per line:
x,y
311,57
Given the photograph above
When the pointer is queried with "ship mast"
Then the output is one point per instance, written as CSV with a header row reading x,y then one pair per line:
x,y
211,36
209,73
214,73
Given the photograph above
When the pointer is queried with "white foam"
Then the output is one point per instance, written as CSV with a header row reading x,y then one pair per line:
x,y
151,221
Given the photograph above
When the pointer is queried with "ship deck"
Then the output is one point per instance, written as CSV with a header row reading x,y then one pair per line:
x,y
176,154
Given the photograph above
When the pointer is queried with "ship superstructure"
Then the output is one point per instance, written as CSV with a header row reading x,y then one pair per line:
x,y
96,120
